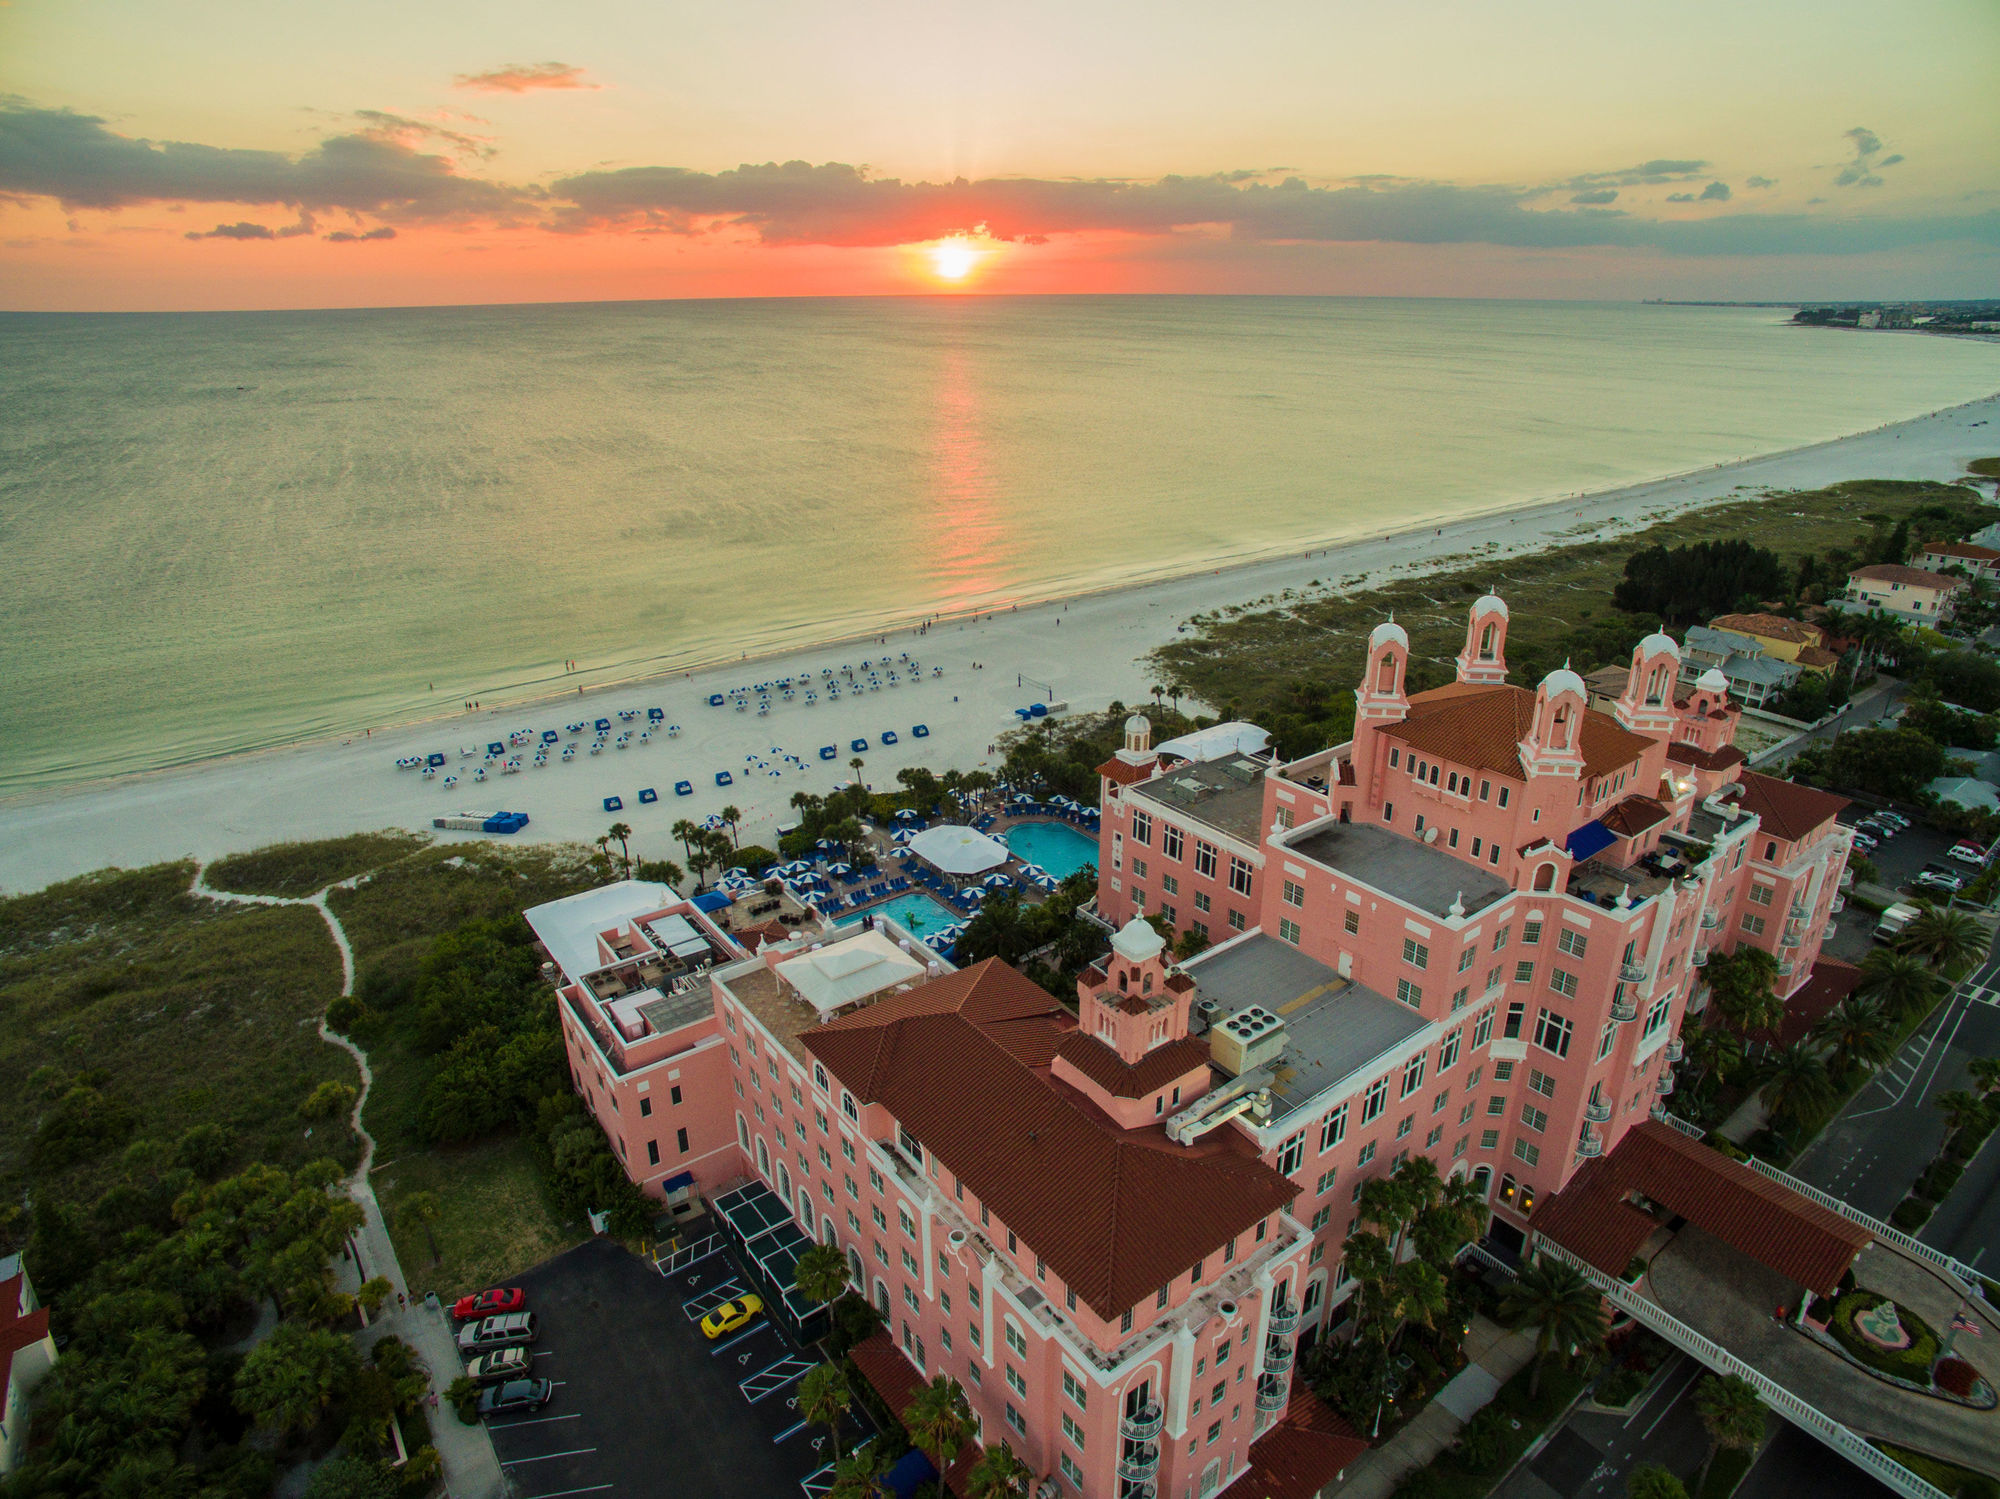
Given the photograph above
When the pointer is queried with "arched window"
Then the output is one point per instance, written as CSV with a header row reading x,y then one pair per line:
x,y
854,1266
882,1297
1123,981
1482,1178
1385,674
1545,877
1311,1303
1656,687
1146,984
806,1209
763,1157
1486,638
742,1132
784,1181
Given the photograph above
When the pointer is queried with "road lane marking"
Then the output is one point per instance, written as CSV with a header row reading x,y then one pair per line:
x,y
515,1462
532,1421
1698,1371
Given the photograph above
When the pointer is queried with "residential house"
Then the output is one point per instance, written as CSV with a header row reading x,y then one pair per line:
x,y
1781,639
1754,678
27,1351
1977,561
1908,593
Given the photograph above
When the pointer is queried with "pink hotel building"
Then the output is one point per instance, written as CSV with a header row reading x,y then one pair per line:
x,y
1472,932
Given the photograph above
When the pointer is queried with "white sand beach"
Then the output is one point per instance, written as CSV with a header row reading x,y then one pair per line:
x,y
1086,651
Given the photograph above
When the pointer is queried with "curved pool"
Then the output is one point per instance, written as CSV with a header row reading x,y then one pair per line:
x,y
1057,847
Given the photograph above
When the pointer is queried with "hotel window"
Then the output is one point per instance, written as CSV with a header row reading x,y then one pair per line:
x,y
1395,757
1753,924
1536,1119
1291,1153
1076,1390
1283,817
1350,922
1493,853
1531,933
1288,930
972,1295
1413,1075
1512,1029
1388,811
1325,1182
1552,1033
1500,937
1467,958
1071,1471
1239,875
847,1107
1530,1155
1236,921
1436,1134
1477,844
1524,971
1170,841
944,1268
1199,928
1459,996
1295,893
1160,1296
825,1159
1482,1030
1496,1105
1015,1382
1204,859
1375,1100
1485,790
1503,796
1541,1082
881,1220
1443,1098
1201,900
1415,953
1503,1072
1142,827
645,1108
847,1149
1409,993
1014,1420
653,1152
1014,1339
1489,1139
1465,1114
1448,1053
1572,943
1403,1126
1657,1016
1070,1429
1138,869
1453,839
1138,899
1334,1129
1562,982
1170,884
1607,1039
910,1262
1167,911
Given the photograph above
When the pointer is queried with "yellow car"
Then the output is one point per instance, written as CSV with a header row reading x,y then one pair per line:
x,y
731,1315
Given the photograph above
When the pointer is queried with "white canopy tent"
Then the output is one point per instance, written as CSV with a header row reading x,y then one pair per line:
x,y
959,851
849,971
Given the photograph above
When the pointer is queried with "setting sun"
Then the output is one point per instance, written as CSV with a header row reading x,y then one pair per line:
x,y
953,259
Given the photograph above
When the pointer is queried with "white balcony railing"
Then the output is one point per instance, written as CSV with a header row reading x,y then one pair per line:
x,y
1674,1050
1142,1425
1597,1111
1623,1010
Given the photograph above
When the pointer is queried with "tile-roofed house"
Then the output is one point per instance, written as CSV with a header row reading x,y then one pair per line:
x,y
1906,592
1817,658
1613,1205
1308,1448
1980,561
1785,809
1116,1213
1754,675
1763,627
1483,726
1123,1079
1722,759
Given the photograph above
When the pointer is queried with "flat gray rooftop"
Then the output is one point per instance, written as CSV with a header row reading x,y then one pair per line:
x,y
1334,1028
1227,794
1428,878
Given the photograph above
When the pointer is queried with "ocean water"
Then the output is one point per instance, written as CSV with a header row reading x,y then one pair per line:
x,y
227,531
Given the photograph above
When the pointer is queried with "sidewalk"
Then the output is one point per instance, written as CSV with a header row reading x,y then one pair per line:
x,y
1494,1356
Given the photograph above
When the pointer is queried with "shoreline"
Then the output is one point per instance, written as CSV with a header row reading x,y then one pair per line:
x,y
330,785
1525,511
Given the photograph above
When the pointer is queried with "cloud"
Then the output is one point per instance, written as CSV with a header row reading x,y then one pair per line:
x,y
1715,192
1597,195
349,237
1760,182
1646,174
1866,142
235,231
520,78
400,130
1890,161
1680,197
1861,172
73,158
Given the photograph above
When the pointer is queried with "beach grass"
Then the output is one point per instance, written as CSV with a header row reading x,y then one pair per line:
x,y
1986,468
495,1218
426,894
301,869
167,1011
1299,657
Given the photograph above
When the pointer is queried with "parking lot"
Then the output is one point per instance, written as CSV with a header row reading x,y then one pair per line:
x,y
644,1404
1902,858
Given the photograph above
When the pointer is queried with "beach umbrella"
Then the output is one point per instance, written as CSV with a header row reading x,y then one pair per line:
x,y
823,844
997,882
907,814
903,835
840,869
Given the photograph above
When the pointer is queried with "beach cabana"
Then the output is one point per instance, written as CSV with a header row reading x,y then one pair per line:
x,y
496,749
888,736
827,752
920,731
603,726
683,788
434,759
724,778
858,745
648,795
656,715
614,804
550,736
715,700
958,851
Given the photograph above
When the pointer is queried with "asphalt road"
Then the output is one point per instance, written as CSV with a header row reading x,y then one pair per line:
x,y
1796,1466
1592,1454
1879,1144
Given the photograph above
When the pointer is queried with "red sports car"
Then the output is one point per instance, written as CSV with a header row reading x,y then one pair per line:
x,y
489,1303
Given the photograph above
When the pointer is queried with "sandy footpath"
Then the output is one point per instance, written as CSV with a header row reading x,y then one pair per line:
x,y
1085,651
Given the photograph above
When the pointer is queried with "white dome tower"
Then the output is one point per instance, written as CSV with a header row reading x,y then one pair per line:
x,y
1484,659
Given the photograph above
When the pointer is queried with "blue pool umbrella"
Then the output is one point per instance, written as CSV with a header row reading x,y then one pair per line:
x,y
903,835
683,788
840,869
906,814
649,795
614,804
997,882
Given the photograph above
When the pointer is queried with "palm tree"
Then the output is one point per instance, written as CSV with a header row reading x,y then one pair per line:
x,y
1389,1205
855,766
1902,983
1564,1307
1416,1297
1961,1110
824,1398
1985,1074
686,831
1854,1032
1654,1482
1732,1415
1365,1256
1742,986
1947,940
422,1208
623,833
1795,1081
1714,1048
731,816
999,1473
1448,1224
939,1420
821,1273
861,1474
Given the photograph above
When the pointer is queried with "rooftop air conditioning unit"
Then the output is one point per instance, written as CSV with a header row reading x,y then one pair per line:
x,y
1249,1038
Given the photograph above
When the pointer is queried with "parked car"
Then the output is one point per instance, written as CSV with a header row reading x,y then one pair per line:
x,y
1939,879
497,1332
490,1303
1895,820
1967,852
731,1315
1876,828
1865,842
515,1396
496,1368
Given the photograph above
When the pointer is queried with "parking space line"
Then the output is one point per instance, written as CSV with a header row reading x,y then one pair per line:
x,y
743,1336
790,1431
700,1306
773,1378
515,1462
533,1421
558,1493
817,1483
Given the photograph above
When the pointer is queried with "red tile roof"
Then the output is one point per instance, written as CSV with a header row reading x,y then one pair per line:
x,y
1307,1449
1594,1218
1633,816
961,1063
1817,655
1963,550
1785,808
1122,1079
17,1332
1117,770
1831,982
1909,577
1466,723
1701,759
897,1381
1769,626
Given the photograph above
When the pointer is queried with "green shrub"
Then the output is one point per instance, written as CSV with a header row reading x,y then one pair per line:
x,y
1620,1387
1913,1362
1912,1213
1487,1443
1939,1178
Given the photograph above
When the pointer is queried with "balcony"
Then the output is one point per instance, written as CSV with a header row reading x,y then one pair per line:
x,y
1597,1111
1847,879
1588,1146
1272,1395
1633,973
1784,968
1711,921
1143,1425
1836,905
1675,1051
1138,1464
1792,938
1277,1355
1699,957
1284,1321
1800,910
1665,1086
1623,1010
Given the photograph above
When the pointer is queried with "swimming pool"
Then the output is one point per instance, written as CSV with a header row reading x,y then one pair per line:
x,y
917,913
1059,849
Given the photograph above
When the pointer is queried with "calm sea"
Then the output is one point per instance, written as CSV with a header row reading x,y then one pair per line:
x,y
226,531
